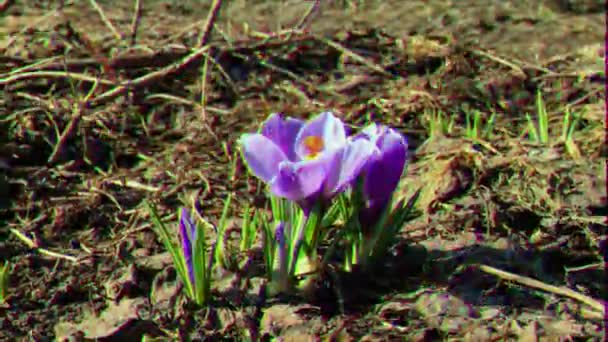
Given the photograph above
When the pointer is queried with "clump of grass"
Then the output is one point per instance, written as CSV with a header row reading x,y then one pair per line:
x,y
251,220
539,131
569,124
437,122
475,129
222,255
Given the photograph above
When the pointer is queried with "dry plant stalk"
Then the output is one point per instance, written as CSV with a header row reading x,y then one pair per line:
x,y
597,305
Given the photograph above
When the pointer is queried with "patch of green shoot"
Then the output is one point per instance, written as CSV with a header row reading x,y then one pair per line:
x,y
222,256
438,123
569,124
475,129
251,220
538,131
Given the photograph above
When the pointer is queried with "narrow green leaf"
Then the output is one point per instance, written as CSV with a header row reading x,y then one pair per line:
x,y
532,133
246,231
220,251
489,126
4,277
199,265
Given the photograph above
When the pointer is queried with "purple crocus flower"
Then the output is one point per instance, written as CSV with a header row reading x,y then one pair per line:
x,y
384,169
302,161
187,231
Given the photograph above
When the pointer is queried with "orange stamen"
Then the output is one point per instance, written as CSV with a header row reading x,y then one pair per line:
x,y
314,145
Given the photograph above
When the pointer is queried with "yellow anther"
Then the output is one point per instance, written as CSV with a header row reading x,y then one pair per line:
x,y
314,145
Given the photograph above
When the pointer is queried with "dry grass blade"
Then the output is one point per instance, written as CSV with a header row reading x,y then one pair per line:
x,y
562,291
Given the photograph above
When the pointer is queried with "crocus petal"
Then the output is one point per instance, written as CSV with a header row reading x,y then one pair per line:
x,y
262,156
325,126
187,231
297,181
346,164
283,133
384,171
372,132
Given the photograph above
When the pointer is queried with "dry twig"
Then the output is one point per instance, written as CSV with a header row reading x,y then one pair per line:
x,y
562,291
34,245
206,32
135,21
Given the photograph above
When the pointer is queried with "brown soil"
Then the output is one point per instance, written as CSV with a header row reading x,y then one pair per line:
x,y
77,160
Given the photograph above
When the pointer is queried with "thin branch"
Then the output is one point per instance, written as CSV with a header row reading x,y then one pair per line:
x,y
562,291
33,245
